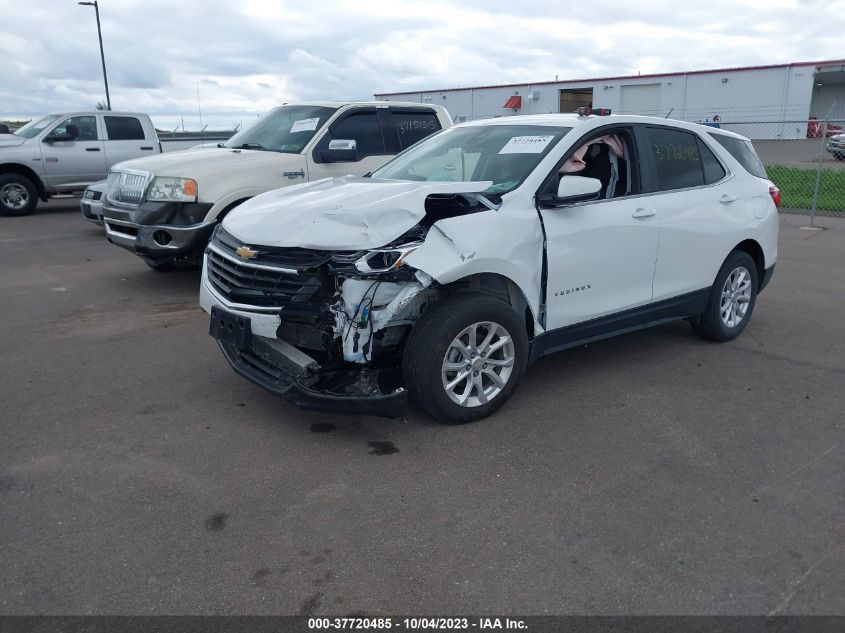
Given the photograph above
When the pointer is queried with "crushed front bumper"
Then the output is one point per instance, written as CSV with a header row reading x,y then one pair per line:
x,y
260,357
259,363
159,231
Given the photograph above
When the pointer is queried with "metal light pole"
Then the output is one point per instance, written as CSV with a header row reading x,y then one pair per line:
x,y
102,55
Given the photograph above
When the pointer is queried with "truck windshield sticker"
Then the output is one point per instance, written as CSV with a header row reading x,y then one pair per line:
x,y
304,125
526,145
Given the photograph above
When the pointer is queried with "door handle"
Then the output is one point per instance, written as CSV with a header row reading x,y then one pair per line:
x,y
727,198
147,147
643,213
92,149
294,174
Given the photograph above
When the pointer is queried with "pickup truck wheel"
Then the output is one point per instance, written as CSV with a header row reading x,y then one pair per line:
x,y
465,357
18,196
731,301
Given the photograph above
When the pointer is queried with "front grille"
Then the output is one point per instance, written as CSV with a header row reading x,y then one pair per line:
x,y
286,257
126,187
248,285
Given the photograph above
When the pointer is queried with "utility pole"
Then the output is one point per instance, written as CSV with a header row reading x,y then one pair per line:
x,y
102,54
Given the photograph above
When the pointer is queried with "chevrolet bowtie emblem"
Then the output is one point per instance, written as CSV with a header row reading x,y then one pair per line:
x,y
245,252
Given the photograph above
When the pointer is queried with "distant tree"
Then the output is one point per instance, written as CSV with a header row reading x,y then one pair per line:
x,y
102,106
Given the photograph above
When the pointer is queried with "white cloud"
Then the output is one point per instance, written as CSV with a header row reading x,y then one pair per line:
x,y
250,56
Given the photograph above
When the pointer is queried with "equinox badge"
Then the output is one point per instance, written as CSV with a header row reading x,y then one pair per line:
x,y
245,252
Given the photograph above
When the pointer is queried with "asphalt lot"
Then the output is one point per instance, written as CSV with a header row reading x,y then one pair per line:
x,y
653,473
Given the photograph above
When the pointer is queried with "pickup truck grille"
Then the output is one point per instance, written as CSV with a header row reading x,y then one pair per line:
x,y
126,188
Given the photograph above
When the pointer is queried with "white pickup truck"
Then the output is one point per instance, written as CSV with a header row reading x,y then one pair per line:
x,y
164,208
64,152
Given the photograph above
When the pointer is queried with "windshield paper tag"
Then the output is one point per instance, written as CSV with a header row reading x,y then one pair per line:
x,y
526,145
304,125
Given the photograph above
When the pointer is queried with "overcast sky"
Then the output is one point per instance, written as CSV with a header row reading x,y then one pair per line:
x,y
246,56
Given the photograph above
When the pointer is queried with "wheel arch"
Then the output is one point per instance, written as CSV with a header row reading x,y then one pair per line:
x,y
28,172
755,251
225,210
229,200
501,287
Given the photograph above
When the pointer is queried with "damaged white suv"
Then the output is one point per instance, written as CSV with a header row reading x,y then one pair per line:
x,y
450,269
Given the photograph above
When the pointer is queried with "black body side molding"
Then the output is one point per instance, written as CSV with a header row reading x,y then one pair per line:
x,y
685,306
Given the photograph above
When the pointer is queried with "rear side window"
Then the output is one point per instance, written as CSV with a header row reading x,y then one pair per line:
x,y
410,127
124,128
744,154
677,159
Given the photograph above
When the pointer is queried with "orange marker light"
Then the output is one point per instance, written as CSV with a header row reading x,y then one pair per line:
x,y
189,188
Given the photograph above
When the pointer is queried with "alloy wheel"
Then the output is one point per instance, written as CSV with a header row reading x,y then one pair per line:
x,y
478,364
14,195
736,297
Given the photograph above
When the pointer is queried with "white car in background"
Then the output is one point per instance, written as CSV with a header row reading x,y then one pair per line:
x,y
91,204
482,248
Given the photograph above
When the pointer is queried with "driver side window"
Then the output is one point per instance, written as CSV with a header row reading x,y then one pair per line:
x,y
609,157
361,127
85,125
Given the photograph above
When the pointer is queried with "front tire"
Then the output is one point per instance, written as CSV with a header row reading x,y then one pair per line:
x,y
465,357
731,300
18,196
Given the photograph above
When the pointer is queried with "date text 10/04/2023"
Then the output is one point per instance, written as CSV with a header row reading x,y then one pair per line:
x,y
417,624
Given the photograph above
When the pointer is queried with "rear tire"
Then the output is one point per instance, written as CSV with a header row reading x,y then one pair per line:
x,y
731,300
18,196
465,357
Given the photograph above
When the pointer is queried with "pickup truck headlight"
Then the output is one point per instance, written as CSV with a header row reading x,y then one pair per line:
x,y
382,260
170,189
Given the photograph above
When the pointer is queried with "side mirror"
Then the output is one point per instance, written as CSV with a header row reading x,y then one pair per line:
x,y
71,134
4,129
340,151
572,189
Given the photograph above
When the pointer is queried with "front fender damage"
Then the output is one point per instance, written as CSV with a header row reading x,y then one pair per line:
x,y
365,309
353,330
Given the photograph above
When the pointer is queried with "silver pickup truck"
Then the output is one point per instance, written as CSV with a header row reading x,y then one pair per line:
x,y
66,151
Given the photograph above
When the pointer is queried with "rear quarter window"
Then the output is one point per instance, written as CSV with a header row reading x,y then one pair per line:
x,y
743,152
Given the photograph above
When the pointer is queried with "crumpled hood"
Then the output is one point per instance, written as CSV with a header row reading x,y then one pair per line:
x,y
204,162
10,140
345,214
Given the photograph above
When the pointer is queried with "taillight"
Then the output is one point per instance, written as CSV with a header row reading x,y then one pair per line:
x,y
774,192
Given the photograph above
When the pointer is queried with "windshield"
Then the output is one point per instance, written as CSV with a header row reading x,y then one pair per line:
x,y
505,154
287,129
34,128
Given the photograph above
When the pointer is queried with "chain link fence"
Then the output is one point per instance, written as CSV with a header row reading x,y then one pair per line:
x,y
805,159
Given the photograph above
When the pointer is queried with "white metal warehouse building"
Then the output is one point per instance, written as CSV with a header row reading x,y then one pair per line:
x,y
759,101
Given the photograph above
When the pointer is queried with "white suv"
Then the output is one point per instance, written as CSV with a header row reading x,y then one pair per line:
x,y
467,257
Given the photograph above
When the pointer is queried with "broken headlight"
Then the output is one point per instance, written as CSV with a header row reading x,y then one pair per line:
x,y
383,260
